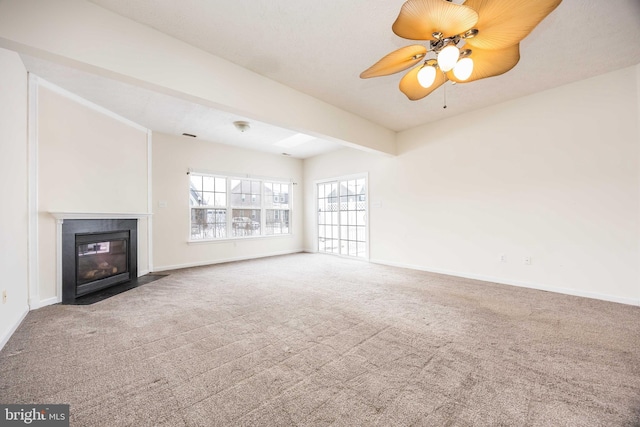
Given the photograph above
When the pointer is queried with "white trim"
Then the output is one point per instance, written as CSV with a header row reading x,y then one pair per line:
x,y
368,218
239,239
548,288
316,209
638,159
46,302
9,332
149,200
32,189
344,178
89,104
59,222
143,273
221,261
100,215
220,174
188,200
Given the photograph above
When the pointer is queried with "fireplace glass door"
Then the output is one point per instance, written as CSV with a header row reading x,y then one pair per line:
x,y
100,258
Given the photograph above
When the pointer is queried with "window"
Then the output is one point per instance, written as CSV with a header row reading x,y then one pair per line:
x,y
277,208
230,207
208,201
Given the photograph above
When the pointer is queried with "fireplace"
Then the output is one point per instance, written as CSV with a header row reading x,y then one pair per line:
x,y
97,254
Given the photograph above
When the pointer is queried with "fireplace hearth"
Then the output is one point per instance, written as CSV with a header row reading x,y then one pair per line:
x,y
97,254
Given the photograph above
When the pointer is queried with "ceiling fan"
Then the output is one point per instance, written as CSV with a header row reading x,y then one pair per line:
x,y
467,42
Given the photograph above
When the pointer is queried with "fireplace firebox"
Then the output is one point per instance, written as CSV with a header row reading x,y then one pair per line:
x,y
97,254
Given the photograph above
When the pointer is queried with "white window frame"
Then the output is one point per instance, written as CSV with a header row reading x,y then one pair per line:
x,y
364,175
229,207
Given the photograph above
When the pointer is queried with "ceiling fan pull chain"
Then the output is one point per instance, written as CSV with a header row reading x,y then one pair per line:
x,y
444,91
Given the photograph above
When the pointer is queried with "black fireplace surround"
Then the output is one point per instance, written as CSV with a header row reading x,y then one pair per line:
x,y
97,254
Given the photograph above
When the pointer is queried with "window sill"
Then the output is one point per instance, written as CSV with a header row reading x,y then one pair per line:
x,y
238,239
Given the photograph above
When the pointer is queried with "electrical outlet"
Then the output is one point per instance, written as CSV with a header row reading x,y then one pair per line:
x,y
527,260
503,258
4,297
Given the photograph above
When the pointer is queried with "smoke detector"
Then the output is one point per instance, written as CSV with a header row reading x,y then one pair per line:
x,y
242,126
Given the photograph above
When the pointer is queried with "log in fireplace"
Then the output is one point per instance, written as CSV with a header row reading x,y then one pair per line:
x,y
97,254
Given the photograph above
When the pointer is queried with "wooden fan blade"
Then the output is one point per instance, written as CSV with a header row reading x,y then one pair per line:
x,y
419,19
409,84
489,63
504,23
396,61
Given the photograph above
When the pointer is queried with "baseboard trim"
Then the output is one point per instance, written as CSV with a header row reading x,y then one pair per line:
x,y
7,335
520,284
45,302
34,305
222,261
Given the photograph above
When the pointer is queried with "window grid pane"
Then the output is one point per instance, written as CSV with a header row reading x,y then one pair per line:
x,y
245,193
277,221
276,195
245,222
208,223
207,191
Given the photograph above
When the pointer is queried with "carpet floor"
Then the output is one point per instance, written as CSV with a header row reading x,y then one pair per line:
x,y
315,340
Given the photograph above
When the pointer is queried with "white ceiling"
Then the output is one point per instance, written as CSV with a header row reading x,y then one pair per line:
x,y
320,48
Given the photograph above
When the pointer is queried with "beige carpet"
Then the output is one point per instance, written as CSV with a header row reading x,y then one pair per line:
x,y
315,340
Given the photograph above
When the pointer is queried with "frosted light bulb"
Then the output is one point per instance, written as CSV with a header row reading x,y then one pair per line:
x,y
463,69
448,57
426,76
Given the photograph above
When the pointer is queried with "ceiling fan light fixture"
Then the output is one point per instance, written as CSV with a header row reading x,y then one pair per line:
x,y
448,57
426,76
463,68
488,30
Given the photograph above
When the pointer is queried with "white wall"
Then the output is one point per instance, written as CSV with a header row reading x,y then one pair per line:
x,y
88,162
554,176
13,193
172,157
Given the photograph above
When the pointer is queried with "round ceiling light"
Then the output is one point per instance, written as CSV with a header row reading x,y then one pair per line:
x,y
242,126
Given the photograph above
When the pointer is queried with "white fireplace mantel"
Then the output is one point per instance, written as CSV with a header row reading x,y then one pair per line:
x,y
99,215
